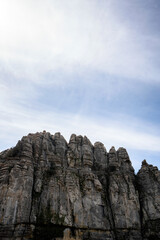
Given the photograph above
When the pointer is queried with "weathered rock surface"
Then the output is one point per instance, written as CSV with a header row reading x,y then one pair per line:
x,y
51,189
148,179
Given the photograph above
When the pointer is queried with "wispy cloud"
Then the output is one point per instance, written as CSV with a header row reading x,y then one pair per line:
x,y
80,66
20,115
21,121
38,37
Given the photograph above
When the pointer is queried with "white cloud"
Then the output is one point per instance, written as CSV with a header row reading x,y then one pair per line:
x,y
38,36
71,38
19,121
18,117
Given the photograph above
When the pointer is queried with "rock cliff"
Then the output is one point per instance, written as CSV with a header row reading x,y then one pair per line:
x,y
51,189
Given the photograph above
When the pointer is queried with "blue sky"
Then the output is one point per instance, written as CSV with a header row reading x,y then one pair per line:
x,y
84,67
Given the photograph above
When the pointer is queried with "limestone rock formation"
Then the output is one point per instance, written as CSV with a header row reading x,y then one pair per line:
x,y
148,179
51,189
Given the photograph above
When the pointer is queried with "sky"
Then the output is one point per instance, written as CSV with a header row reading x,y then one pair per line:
x,y
89,67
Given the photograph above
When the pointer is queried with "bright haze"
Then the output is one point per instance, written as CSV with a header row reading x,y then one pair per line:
x,y
89,67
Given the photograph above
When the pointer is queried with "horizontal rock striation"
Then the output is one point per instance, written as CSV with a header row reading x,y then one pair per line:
x,y
51,189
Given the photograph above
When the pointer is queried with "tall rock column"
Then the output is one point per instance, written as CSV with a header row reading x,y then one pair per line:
x,y
124,199
148,179
16,184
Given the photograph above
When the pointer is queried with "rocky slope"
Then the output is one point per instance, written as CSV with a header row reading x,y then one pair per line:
x,y
51,189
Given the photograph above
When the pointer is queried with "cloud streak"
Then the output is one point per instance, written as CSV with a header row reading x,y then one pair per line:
x,y
39,37
80,66
21,121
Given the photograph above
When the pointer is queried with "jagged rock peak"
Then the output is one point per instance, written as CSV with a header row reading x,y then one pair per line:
x,y
112,150
51,189
99,145
148,180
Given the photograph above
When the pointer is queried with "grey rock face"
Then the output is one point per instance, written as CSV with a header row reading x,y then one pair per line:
x,y
124,198
51,189
148,179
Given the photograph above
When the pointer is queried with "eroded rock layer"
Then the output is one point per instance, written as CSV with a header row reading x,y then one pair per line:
x,y
51,189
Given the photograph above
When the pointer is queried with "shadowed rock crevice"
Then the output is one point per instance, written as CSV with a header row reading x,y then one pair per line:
x,y
51,189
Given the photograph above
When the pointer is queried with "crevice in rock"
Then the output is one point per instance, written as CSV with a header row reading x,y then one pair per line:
x,y
140,203
112,222
23,233
32,192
